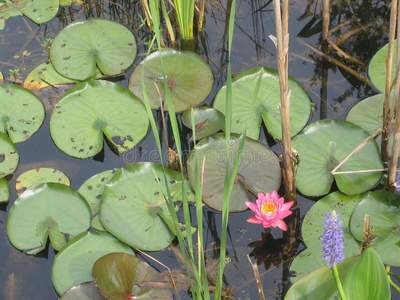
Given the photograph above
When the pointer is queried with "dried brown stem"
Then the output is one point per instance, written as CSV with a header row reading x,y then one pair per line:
x,y
258,279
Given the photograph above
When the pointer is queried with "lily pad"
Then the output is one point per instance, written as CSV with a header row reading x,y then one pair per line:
x,y
133,200
83,291
92,109
207,121
322,146
377,67
259,171
22,112
256,98
82,47
39,175
91,190
189,78
4,190
114,273
383,207
313,226
45,210
9,156
73,264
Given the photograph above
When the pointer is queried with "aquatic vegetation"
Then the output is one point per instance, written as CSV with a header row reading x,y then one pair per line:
x,y
4,190
9,156
86,290
270,210
332,240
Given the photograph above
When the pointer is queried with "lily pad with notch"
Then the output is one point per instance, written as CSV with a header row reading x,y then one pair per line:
x,y
134,200
39,175
4,190
256,99
47,210
73,264
9,156
377,67
383,207
114,275
82,47
188,76
322,145
92,109
91,190
207,121
22,112
259,171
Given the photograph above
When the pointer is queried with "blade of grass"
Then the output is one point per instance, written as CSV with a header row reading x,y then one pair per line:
x,y
185,15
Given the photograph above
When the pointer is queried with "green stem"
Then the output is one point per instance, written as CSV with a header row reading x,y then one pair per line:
x,y
395,286
338,282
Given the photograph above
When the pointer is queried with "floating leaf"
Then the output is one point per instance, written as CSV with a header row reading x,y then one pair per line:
x,y
319,284
46,210
92,109
133,200
39,175
82,47
367,279
189,78
322,146
259,171
383,207
377,67
83,291
256,98
22,113
40,11
114,273
4,190
73,264
9,156
313,226
91,190
207,121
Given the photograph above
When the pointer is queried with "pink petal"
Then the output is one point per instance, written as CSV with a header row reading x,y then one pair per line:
x,y
251,205
275,195
284,214
287,205
280,224
254,220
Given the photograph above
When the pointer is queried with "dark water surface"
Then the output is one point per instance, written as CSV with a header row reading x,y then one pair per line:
x,y
332,90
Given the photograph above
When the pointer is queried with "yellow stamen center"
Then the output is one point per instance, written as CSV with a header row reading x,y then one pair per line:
x,y
268,207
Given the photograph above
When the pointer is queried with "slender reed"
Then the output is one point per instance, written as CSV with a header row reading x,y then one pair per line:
x,y
185,14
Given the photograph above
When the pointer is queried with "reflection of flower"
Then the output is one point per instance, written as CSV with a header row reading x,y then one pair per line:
x,y
332,240
270,210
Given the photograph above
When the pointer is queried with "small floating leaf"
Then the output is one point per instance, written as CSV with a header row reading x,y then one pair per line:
x,y
189,78
256,98
83,291
73,264
39,175
46,210
114,273
4,190
377,67
9,156
22,112
207,121
92,109
82,47
259,171
322,145
40,11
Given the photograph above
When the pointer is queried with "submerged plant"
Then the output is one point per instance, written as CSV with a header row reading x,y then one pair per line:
x,y
270,210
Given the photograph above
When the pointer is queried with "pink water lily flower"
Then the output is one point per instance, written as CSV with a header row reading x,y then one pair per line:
x,y
270,210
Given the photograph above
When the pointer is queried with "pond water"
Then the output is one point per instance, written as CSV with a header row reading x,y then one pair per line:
x,y
332,90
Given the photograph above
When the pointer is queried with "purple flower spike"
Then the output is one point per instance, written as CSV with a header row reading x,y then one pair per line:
x,y
332,240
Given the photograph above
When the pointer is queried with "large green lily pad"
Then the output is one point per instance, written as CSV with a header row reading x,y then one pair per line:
x,y
114,273
73,264
259,171
39,175
9,156
91,190
383,207
313,226
83,291
45,210
322,146
21,113
92,109
377,67
189,78
256,98
4,190
207,121
82,47
133,200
